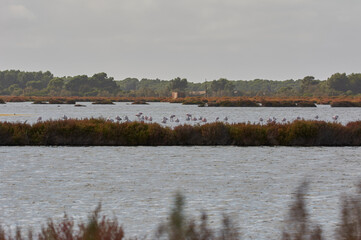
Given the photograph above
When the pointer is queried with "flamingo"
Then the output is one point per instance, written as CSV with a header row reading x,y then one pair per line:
x,y
118,118
261,119
226,119
39,119
217,118
65,117
204,120
335,117
316,117
284,119
177,120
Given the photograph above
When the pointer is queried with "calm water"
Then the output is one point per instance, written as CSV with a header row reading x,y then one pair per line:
x,y
30,112
254,185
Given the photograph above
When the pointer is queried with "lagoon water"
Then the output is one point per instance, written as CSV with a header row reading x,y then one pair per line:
x,y
26,111
253,185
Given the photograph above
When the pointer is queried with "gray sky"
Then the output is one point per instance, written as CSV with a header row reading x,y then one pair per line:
x,y
195,39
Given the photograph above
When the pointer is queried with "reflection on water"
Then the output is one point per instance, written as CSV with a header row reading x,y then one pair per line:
x,y
137,184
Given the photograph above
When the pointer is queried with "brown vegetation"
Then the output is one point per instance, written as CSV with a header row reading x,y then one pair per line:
x,y
344,101
345,104
103,101
142,102
100,132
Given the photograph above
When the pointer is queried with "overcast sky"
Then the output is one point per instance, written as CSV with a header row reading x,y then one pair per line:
x,y
194,39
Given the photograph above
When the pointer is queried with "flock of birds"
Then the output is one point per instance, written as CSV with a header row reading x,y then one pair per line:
x,y
172,118
188,118
273,119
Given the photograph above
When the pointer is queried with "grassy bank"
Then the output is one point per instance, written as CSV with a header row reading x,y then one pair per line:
x,y
297,225
99,132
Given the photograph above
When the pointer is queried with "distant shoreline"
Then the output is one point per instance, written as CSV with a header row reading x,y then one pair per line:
x,y
200,101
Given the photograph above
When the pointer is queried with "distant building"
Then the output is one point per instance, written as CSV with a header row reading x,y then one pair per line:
x,y
197,93
176,95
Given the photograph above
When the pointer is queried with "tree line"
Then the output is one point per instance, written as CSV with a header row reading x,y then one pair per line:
x,y
21,83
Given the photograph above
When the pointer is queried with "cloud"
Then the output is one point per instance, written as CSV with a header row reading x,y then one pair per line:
x,y
200,38
18,11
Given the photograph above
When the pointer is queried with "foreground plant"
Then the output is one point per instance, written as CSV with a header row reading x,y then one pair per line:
x,y
97,228
179,227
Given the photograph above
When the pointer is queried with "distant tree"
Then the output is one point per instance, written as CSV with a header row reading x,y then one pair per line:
x,y
102,82
56,85
339,82
309,85
222,87
9,78
35,84
355,82
229,88
75,84
45,78
178,84
129,84
25,77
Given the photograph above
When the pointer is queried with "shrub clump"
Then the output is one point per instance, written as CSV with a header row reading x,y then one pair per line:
x,y
140,102
100,132
39,102
238,103
345,104
103,101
